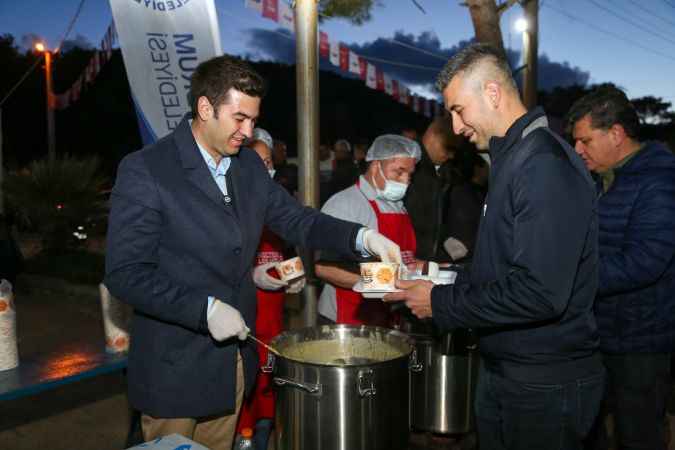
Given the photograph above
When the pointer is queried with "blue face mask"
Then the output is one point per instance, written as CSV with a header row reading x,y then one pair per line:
x,y
393,190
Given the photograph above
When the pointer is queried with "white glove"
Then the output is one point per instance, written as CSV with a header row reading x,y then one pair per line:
x,y
296,286
264,280
378,245
224,322
455,248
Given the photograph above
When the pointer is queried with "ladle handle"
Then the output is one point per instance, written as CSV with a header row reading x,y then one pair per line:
x,y
271,349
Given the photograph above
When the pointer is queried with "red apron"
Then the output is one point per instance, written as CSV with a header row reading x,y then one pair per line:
x,y
268,323
350,307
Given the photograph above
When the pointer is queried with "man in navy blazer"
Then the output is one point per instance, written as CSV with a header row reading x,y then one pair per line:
x,y
186,218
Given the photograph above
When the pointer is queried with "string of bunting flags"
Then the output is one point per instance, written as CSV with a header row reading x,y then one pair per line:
x,y
340,55
91,71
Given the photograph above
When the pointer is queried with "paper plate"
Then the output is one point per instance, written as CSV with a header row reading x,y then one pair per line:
x,y
371,293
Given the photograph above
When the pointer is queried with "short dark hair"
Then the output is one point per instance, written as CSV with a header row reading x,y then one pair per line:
x,y
606,106
441,126
468,58
215,77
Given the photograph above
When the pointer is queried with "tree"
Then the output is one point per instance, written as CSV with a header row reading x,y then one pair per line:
x,y
653,110
55,197
356,11
485,18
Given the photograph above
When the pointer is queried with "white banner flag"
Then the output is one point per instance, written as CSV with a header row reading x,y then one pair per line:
x,y
162,43
335,53
286,17
371,76
388,85
354,66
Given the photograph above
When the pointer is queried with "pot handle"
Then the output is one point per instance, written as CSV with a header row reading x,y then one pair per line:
x,y
414,365
269,365
309,388
366,376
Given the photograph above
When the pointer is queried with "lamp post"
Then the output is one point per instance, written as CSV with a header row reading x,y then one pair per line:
x,y
307,82
51,140
528,26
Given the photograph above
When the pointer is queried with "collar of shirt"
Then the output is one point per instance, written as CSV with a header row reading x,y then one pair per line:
x,y
609,175
218,171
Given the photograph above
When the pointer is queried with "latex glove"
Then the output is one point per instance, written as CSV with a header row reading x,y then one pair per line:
x,y
455,248
264,280
378,245
225,322
296,286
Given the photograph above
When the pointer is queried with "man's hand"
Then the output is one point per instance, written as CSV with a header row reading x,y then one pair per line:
x,y
378,245
264,280
296,286
224,322
416,294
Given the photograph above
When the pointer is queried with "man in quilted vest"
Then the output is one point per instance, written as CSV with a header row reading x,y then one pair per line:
x,y
635,304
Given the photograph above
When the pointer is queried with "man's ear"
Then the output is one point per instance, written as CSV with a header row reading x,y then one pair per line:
x,y
493,93
617,134
204,108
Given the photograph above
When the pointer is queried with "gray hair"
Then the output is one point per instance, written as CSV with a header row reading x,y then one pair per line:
x,y
469,58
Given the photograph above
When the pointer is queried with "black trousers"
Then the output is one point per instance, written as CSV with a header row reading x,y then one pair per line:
x,y
637,391
511,415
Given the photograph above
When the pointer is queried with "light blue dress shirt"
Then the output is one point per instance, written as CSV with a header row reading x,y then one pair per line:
x,y
218,172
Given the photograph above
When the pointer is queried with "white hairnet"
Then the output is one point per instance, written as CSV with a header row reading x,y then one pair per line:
x,y
345,143
261,135
390,146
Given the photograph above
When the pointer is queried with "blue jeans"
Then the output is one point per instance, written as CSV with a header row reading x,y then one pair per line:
x,y
637,391
512,415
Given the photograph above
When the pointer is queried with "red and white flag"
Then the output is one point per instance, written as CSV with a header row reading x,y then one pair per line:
x,y
371,76
394,89
379,75
324,45
354,66
286,16
363,65
344,57
335,53
271,9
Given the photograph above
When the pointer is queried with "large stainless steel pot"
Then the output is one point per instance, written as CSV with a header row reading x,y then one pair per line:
x,y
442,388
442,392
352,395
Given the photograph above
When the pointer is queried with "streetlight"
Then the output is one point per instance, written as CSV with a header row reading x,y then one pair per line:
x,y
521,25
51,141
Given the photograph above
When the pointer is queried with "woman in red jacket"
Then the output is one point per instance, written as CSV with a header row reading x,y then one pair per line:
x,y
257,412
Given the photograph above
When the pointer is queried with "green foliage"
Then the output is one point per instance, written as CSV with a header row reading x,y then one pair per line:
x,y
53,198
76,266
356,11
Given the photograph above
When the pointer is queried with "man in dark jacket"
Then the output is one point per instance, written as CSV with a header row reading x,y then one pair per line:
x,y
185,222
428,196
533,276
635,304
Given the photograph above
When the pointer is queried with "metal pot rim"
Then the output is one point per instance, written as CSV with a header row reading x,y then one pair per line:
x,y
402,337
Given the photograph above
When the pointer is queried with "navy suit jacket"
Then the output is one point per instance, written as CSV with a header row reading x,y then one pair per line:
x,y
173,242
